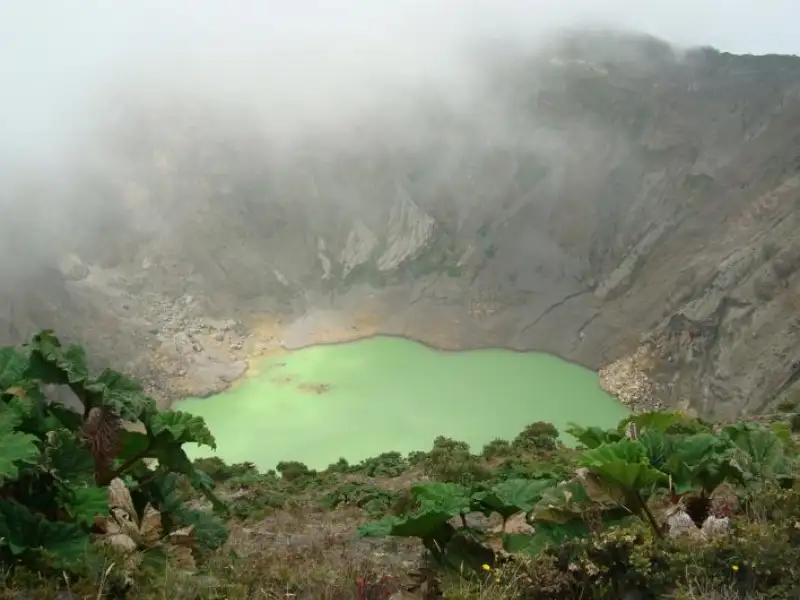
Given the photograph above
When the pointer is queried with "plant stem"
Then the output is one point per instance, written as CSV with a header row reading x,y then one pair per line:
x,y
126,465
649,516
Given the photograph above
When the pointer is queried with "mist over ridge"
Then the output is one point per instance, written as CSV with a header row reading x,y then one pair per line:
x,y
596,183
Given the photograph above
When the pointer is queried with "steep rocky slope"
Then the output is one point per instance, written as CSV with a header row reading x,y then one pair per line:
x,y
608,200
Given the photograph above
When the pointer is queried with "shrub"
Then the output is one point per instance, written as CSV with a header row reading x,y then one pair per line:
x,y
221,472
375,500
388,464
259,503
596,530
756,560
496,448
340,466
451,461
294,471
537,436
417,457
56,464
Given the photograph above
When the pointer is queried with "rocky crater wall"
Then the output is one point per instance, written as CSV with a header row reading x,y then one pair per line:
x,y
634,210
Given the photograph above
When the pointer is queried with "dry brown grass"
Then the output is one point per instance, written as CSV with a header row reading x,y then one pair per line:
x,y
697,589
294,554
273,576
301,554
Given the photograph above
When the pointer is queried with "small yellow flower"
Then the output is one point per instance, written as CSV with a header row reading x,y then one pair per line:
x,y
735,568
486,567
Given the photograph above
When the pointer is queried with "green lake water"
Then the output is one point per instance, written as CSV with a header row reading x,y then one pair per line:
x,y
358,399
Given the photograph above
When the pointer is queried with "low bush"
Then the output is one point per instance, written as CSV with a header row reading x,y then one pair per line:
x,y
113,472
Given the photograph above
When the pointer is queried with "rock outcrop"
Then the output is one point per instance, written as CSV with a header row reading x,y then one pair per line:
x,y
358,249
408,234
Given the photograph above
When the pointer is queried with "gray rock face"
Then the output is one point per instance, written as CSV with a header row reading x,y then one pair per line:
x,y
408,233
610,202
358,249
323,259
72,268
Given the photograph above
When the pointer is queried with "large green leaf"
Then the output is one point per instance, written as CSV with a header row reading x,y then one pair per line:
x,y
173,457
563,503
50,363
572,501
761,453
23,532
652,421
13,366
63,416
546,534
73,361
201,481
452,498
182,427
658,445
438,503
380,528
28,401
624,467
121,394
694,449
131,444
68,458
85,503
592,437
423,524
166,490
15,448
210,531
513,496
700,462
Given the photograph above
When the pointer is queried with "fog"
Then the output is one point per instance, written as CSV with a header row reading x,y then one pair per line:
x,y
312,59
75,75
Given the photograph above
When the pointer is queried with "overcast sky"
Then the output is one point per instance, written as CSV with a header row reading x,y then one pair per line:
x,y
55,53
60,28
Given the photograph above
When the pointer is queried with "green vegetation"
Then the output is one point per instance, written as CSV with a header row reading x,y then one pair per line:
x,y
69,477
668,453
103,502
